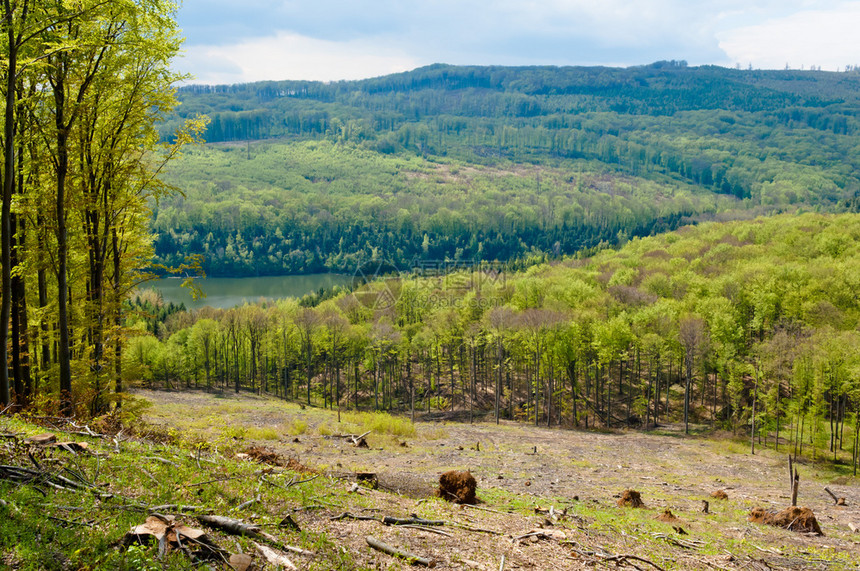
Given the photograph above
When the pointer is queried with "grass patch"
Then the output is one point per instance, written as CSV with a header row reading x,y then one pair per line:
x,y
380,423
262,433
297,426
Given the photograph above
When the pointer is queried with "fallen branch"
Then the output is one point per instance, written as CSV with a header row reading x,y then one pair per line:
x,y
179,508
162,460
347,515
230,525
290,484
527,535
222,479
244,505
237,527
836,501
430,529
483,509
475,529
410,558
69,522
39,476
625,558
687,544
388,520
273,557
86,431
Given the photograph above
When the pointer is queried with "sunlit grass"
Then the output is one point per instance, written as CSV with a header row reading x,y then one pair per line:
x,y
297,426
146,473
262,433
380,423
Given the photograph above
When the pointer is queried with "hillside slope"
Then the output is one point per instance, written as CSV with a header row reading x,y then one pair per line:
x,y
496,163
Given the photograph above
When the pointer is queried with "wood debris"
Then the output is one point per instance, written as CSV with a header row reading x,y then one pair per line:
x,y
410,558
274,558
172,536
238,527
41,439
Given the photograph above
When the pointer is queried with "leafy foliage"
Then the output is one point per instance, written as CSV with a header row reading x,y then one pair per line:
x,y
494,163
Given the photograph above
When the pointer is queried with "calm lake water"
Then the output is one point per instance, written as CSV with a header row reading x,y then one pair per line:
x,y
228,292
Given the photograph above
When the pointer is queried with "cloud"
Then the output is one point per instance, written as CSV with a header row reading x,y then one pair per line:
x,y
822,37
347,39
290,56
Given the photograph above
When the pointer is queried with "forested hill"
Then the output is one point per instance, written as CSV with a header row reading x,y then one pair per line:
x,y
497,163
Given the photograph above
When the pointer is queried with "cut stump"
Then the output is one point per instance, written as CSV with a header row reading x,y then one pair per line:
x,y
792,518
631,499
457,486
667,516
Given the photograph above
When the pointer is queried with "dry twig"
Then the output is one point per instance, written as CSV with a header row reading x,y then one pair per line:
x,y
410,558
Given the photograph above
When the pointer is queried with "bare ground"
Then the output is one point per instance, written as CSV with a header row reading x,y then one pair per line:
x,y
520,468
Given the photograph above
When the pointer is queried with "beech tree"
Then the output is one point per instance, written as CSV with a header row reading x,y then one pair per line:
x,y
88,80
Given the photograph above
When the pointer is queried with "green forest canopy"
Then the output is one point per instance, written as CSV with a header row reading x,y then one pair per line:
x,y
719,323
497,163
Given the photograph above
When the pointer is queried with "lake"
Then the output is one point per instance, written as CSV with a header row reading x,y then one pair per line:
x,y
229,292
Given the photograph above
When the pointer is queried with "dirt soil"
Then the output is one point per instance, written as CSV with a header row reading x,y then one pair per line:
x,y
553,467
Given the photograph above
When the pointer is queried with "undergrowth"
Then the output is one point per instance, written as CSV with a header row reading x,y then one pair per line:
x,y
44,528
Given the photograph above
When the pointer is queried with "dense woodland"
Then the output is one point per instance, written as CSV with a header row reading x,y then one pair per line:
x,y
750,326
495,163
83,86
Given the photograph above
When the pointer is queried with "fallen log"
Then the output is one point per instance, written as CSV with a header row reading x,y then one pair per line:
x,y
410,558
230,525
238,527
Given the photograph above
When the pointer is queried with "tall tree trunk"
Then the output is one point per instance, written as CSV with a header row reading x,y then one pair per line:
x,y
498,377
64,349
45,334
20,323
6,208
117,315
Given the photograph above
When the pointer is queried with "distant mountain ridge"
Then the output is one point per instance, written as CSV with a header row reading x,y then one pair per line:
x,y
662,88
705,141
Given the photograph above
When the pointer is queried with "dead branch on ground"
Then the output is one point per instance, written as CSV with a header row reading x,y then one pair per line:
x,y
410,558
238,527
836,501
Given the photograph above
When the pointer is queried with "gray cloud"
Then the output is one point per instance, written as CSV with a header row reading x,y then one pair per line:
x,y
560,32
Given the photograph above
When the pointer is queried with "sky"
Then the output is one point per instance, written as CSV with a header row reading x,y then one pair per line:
x,y
229,41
